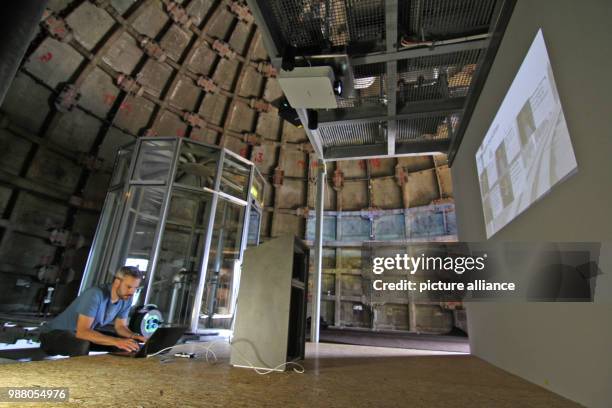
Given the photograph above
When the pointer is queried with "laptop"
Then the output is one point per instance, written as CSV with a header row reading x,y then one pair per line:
x,y
163,337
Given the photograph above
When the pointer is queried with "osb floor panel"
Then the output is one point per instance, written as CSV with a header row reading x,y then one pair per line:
x,y
335,376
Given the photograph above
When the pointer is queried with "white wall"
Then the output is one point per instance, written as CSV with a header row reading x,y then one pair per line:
x,y
564,347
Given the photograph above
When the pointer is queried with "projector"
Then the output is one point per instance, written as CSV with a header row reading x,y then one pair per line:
x,y
309,87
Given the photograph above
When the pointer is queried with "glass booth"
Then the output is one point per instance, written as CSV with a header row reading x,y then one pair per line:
x,y
182,212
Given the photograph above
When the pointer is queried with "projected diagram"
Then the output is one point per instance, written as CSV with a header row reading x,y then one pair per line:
x,y
527,149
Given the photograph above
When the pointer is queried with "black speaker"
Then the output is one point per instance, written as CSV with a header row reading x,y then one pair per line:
x,y
313,119
288,62
286,112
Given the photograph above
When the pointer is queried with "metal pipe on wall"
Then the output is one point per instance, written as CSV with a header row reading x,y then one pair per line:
x,y
318,256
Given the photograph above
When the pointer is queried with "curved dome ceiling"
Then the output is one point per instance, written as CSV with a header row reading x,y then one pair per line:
x,y
100,73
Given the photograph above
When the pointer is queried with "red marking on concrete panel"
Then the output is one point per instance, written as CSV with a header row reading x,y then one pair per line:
x,y
361,164
180,132
259,157
243,152
126,107
375,163
46,57
110,99
301,164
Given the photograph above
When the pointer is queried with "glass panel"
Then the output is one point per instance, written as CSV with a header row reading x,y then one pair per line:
x,y
107,227
221,282
122,167
197,165
235,177
154,161
257,189
135,240
254,221
176,276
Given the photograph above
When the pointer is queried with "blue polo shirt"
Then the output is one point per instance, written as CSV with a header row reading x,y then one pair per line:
x,y
94,302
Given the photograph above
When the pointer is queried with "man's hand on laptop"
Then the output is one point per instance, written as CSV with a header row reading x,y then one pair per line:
x,y
127,344
139,338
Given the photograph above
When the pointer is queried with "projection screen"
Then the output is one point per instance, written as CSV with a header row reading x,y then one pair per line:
x,y
527,149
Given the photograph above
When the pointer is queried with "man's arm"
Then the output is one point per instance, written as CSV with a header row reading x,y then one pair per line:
x,y
122,329
85,332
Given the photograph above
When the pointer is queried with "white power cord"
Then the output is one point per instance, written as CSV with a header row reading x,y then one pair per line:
x,y
263,371
207,348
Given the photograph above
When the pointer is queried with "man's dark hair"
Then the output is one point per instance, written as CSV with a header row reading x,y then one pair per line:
x,y
132,271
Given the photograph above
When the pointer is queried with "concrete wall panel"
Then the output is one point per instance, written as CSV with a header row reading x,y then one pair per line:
x,y
354,195
386,194
75,131
422,187
416,163
292,193
98,92
51,168
175,41
34,211
13,151
54,62
151,21
124,54
27,103
214,108
86,33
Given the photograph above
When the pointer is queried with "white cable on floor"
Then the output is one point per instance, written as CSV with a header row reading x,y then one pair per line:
x,y
164,349
298,368
262,371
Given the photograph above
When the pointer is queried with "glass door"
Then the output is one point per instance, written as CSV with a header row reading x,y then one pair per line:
x,y
176,278
221,286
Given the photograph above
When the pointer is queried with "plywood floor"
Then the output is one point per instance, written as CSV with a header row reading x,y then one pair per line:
x,y
336,376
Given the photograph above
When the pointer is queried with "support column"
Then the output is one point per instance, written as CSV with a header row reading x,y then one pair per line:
x,y
318,255
391,40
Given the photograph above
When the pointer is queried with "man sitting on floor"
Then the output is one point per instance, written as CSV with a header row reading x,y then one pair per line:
x,y
73,332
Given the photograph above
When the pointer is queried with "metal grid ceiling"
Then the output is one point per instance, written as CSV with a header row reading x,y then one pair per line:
x,y
370,84
426,20
329,23
351,134
438,127
430,89
437,76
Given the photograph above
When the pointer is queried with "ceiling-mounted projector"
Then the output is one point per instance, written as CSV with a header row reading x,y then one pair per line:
x,y
317,84
309,87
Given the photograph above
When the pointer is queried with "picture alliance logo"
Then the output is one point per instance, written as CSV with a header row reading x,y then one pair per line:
x,y
457,264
